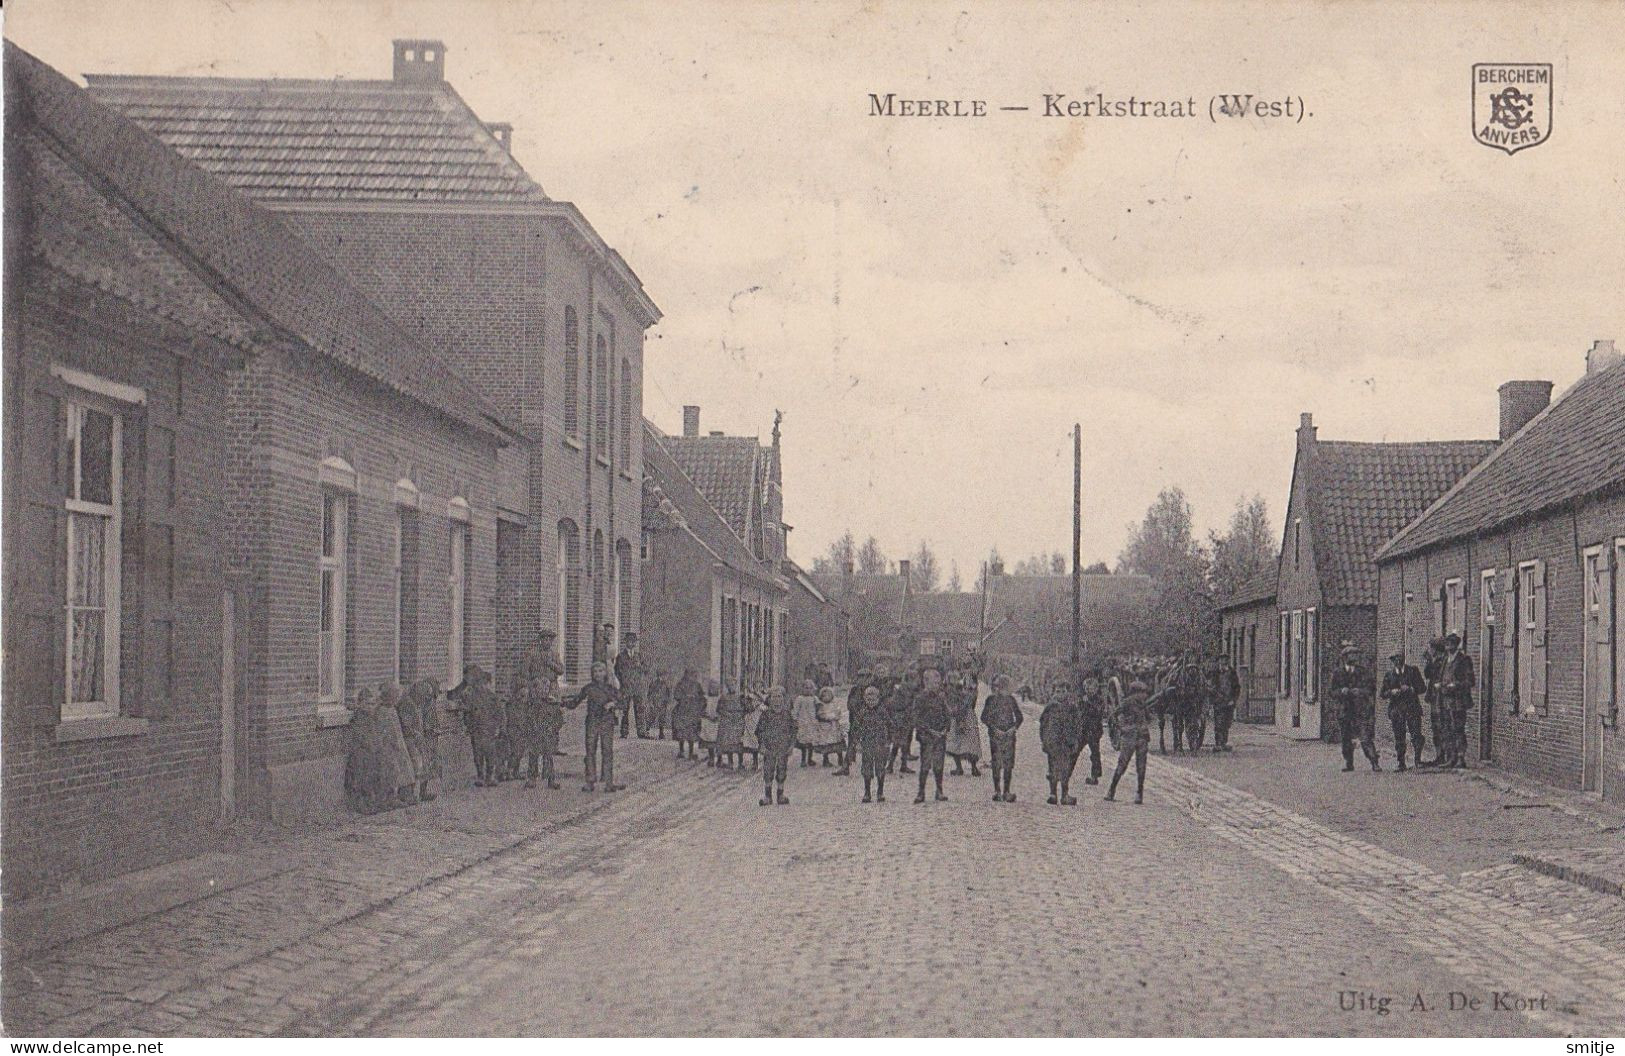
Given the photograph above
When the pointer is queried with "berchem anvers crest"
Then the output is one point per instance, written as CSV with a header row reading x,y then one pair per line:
x,y
1512,104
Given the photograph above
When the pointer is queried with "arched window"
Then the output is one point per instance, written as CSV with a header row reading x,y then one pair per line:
x,y
625,619
626,416
570,598
572,374
599,574
601,399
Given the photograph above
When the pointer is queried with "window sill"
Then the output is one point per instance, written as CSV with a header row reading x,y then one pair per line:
x,y
602,461
330,715
572,442
99,728
626,476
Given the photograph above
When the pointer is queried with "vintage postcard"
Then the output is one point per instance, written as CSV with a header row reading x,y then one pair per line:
x,y
725,519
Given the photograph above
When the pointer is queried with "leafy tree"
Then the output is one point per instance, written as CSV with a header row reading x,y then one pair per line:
x,y
923,570
1163,546
1097,569
871,559
840,552
1057,563
955,585
1245,550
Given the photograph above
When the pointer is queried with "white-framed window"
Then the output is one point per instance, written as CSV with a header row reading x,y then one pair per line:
x,y
1286,654
397,555
334,597
1531,651
569,610
1454,609
457,588
646,546
572,373
94,500
928,647
1299,655
1311,654
947,646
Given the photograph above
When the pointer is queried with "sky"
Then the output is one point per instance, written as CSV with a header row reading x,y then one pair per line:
x,y
933,303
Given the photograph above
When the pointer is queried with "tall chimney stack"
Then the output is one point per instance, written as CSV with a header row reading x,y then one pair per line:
x,y
420,62
691,421
1520,402
1306,429
1603,355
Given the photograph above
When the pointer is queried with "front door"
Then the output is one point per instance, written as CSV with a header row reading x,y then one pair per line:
x,y
1599,659
1489,614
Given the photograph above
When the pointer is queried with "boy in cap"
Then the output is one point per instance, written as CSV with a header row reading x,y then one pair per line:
x,y
486,717
775,735
1133,718
1403,688
1091,724
603,708
873,739
1001,714
1351,689
931,721
1057,734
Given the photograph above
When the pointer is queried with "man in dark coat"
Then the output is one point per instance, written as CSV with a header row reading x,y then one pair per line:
x,y
931,720
1438,718
688,708
1351,691
1456,697
487,718
1226,694
632,676
1403,688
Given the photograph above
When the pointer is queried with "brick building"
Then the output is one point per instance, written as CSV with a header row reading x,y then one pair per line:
x,y
819,631
419,202
1347,500
1249,632
1522,558
709,601
274,457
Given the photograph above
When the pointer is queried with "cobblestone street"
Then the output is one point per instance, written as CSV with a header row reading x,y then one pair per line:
x,y
1232,902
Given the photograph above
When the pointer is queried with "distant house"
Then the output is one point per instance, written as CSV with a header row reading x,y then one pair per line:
x,y
1017,616
1347,500
1249,633
818,629
1522,558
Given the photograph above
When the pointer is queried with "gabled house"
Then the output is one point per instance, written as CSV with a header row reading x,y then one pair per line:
x,y
420,203
1347,500
1248,631
1522,557
709,601
236,492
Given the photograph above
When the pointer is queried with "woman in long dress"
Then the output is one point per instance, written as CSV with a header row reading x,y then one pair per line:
x,y
730,726
688,708
964,732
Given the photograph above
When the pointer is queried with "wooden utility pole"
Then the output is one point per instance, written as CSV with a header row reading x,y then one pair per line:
x,y
1077,544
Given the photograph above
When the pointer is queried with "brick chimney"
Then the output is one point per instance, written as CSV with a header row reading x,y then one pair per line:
x,y
503,132
1603,355
420,62
1306,429
691,421
1520,402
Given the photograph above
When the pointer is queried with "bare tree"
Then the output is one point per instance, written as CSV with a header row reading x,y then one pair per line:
x,y
923,570
871,559
955,585
840,552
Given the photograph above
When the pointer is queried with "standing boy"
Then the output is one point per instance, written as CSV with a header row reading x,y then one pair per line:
x,y
603,709
1001,714
1091,724
931,721
1057,732
1133,736
775,735
873,739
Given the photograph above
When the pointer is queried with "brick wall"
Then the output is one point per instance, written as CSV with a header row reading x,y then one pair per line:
x,y
78,810
489,294
300,409
1251,634
677,604
1543,739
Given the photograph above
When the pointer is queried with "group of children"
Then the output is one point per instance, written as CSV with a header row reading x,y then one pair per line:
x,y
393,755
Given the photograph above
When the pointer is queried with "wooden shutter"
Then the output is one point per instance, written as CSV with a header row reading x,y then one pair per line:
x,y
38,568
1510,614
1537,648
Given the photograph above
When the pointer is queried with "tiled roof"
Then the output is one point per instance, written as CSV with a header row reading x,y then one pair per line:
x,y
698,516
729,471
1360,495
326,140
234,244
945,614
1573,449
1258,589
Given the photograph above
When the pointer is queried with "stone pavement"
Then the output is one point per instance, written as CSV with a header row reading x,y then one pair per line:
x,y
682,907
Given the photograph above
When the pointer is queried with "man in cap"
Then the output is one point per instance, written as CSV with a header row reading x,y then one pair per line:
x,y
1403,688
633,677
1226,694
1456,697
1351,691
1438,718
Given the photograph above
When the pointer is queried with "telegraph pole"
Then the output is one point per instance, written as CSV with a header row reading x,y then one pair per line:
x,y
1077,545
